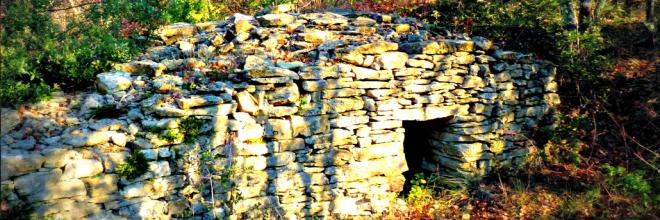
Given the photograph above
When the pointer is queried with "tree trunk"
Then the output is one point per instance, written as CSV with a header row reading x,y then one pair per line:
x,y
586,14
649,11
568,14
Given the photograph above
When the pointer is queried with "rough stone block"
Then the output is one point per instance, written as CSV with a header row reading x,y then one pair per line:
x,y
380,125
16,163
278,129
80,168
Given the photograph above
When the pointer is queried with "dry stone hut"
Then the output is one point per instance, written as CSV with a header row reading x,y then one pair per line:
x,y
280,115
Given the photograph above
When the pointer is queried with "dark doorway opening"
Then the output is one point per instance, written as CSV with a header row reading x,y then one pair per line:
x,y
416,146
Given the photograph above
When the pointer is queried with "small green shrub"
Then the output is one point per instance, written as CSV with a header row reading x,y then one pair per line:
x,y
171,135
635,183
136,165
419,194
629,183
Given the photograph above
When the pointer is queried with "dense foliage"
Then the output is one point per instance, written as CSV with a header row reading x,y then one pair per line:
x,y
38,56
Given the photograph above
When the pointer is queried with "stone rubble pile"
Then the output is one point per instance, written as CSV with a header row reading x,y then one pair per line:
x,y
301,115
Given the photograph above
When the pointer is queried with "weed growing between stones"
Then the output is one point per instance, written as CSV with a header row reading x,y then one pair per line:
x,y
226,184
305,102
211,178
136,165
190,128
147,94
171,135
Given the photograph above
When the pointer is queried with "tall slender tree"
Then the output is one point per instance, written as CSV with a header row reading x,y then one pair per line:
x,y
650,7
586,14
568,14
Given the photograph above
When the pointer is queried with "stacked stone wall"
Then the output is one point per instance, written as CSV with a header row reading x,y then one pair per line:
x,y
279,115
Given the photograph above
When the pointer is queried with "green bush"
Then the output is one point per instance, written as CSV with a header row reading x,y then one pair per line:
x,y
190,11
579,54
23,33
37,56
632,183
19,81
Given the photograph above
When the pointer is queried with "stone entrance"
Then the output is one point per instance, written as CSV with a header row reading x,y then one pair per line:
x,y
417,143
